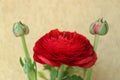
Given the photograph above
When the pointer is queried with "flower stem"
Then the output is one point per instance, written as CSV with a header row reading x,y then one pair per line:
x,y
89,70
25,47
88,74
60,72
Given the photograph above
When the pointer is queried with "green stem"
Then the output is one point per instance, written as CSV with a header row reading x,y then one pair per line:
x,y
60,72
96,40
89,70
88,74
25,47
36,70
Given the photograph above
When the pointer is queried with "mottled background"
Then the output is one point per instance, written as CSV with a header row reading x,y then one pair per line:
x,y
71,15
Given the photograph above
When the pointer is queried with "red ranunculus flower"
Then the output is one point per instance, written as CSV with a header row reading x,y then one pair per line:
x,y
70,48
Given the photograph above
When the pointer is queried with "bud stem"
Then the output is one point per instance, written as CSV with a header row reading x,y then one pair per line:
x,y
96,40
89,70
25,47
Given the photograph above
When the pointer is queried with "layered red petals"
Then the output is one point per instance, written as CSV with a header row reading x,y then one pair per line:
x,y
70,48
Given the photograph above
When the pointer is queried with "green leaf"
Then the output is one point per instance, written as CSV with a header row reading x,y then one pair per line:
x,y
53,73
21,62
42,75
75,70
70,72
74,77
47,67
34,64
26,68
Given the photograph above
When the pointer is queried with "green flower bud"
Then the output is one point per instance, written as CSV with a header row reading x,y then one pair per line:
x,y
20,29
99,27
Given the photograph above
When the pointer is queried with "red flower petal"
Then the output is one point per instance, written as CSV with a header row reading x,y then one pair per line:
x,y
70,48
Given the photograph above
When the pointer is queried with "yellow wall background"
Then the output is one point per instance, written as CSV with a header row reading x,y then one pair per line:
x,y
71,15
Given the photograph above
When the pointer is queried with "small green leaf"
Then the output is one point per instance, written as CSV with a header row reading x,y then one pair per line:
x,y
34,64
74,77
53,73
21,62
47,67
75,70
42,75
26,68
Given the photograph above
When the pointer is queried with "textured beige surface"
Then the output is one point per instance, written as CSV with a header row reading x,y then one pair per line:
x,y
72,15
